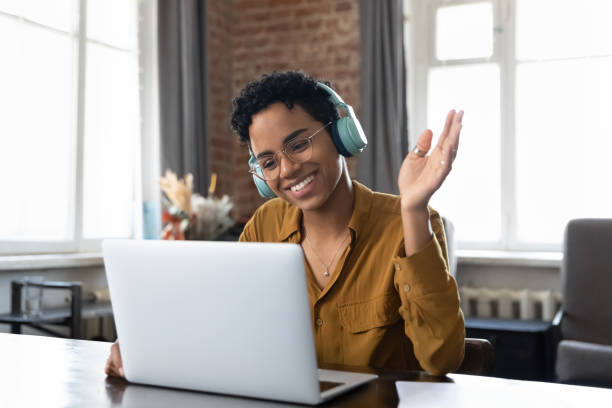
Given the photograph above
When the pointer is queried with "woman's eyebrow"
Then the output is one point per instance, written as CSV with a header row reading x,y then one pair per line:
x,y
287,139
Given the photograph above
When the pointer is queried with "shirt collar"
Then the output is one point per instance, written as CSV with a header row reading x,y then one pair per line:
x,y
290,230
361,208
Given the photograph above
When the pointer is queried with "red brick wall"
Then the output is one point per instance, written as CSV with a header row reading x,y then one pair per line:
x,y
247,38
219,93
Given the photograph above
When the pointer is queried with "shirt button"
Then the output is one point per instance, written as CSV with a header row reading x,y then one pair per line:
x,y
319,322
397,267
406,287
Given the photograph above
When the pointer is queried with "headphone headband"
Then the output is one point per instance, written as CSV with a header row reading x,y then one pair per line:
x,y
333,95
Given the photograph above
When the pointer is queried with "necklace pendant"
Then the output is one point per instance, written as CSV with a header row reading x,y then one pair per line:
x,y
326,273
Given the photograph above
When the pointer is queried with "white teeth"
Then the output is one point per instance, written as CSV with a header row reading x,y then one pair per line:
x,y
302,184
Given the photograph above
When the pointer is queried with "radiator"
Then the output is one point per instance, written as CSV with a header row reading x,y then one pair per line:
x,y
526,304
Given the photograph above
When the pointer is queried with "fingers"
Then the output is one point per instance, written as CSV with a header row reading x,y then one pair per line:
x,y
423,144
110,370
450,145
452,126
446,162
114,365
116,356
455,130
447,126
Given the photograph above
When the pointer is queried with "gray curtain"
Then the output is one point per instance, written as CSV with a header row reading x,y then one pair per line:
x,y
182,67
382,110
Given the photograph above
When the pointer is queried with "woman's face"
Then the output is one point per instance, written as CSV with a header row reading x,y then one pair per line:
x,y
306,185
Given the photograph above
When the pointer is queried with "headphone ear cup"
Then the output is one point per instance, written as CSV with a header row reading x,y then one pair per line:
x,y
263,188
350,136
337,140
347,133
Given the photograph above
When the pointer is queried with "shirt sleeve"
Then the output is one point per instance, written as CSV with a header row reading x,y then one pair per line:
x,y
430,304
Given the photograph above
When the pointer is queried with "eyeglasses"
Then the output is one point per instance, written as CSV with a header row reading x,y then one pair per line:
x,y
297,150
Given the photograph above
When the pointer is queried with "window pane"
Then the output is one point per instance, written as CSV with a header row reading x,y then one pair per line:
x,y
464,31
113,22
563,28
563,146
36,133
470,196
58,14
112,129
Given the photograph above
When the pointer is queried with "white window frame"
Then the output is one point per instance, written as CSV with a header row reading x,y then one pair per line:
x,y
420,53
147,168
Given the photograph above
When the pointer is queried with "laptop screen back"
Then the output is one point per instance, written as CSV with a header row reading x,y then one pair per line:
x,y
224,317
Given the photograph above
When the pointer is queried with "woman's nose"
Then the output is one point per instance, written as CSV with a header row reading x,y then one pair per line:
x,y
288,168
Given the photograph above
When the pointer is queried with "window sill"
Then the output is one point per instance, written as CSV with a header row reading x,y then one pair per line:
x,y
510,258
464,257
50,261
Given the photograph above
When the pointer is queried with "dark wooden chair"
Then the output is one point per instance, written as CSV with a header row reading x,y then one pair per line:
x,y
478,359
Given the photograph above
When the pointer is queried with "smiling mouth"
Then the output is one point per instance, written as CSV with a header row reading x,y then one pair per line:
x,y
299,186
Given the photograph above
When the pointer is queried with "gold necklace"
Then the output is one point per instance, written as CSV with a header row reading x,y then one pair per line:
x,y
326,272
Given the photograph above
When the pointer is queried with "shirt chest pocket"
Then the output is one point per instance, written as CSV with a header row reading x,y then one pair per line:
x,y
370,314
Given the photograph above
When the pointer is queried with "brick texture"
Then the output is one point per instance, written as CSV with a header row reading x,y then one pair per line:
x,y
248,38
219,93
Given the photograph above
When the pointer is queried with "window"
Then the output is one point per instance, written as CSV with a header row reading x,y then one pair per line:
x,y
533,77
70,128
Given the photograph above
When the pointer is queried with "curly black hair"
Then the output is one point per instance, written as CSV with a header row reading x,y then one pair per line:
x,y
291,88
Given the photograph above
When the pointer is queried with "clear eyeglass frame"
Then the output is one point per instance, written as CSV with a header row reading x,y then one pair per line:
x,y
257,169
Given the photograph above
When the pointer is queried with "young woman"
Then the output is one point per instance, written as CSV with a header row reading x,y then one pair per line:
x,y
376,264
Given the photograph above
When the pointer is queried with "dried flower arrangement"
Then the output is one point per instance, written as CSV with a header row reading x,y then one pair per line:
x,y
189,215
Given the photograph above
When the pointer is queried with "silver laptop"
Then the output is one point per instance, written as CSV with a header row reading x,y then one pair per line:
x,y
230,318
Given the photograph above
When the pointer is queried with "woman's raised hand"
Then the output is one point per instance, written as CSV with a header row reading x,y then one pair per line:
x,y
421,174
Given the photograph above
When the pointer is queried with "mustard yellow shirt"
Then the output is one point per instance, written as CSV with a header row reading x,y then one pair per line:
x,y
380,308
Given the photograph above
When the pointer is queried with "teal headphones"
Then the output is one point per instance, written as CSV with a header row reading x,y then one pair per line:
x,y
346,133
